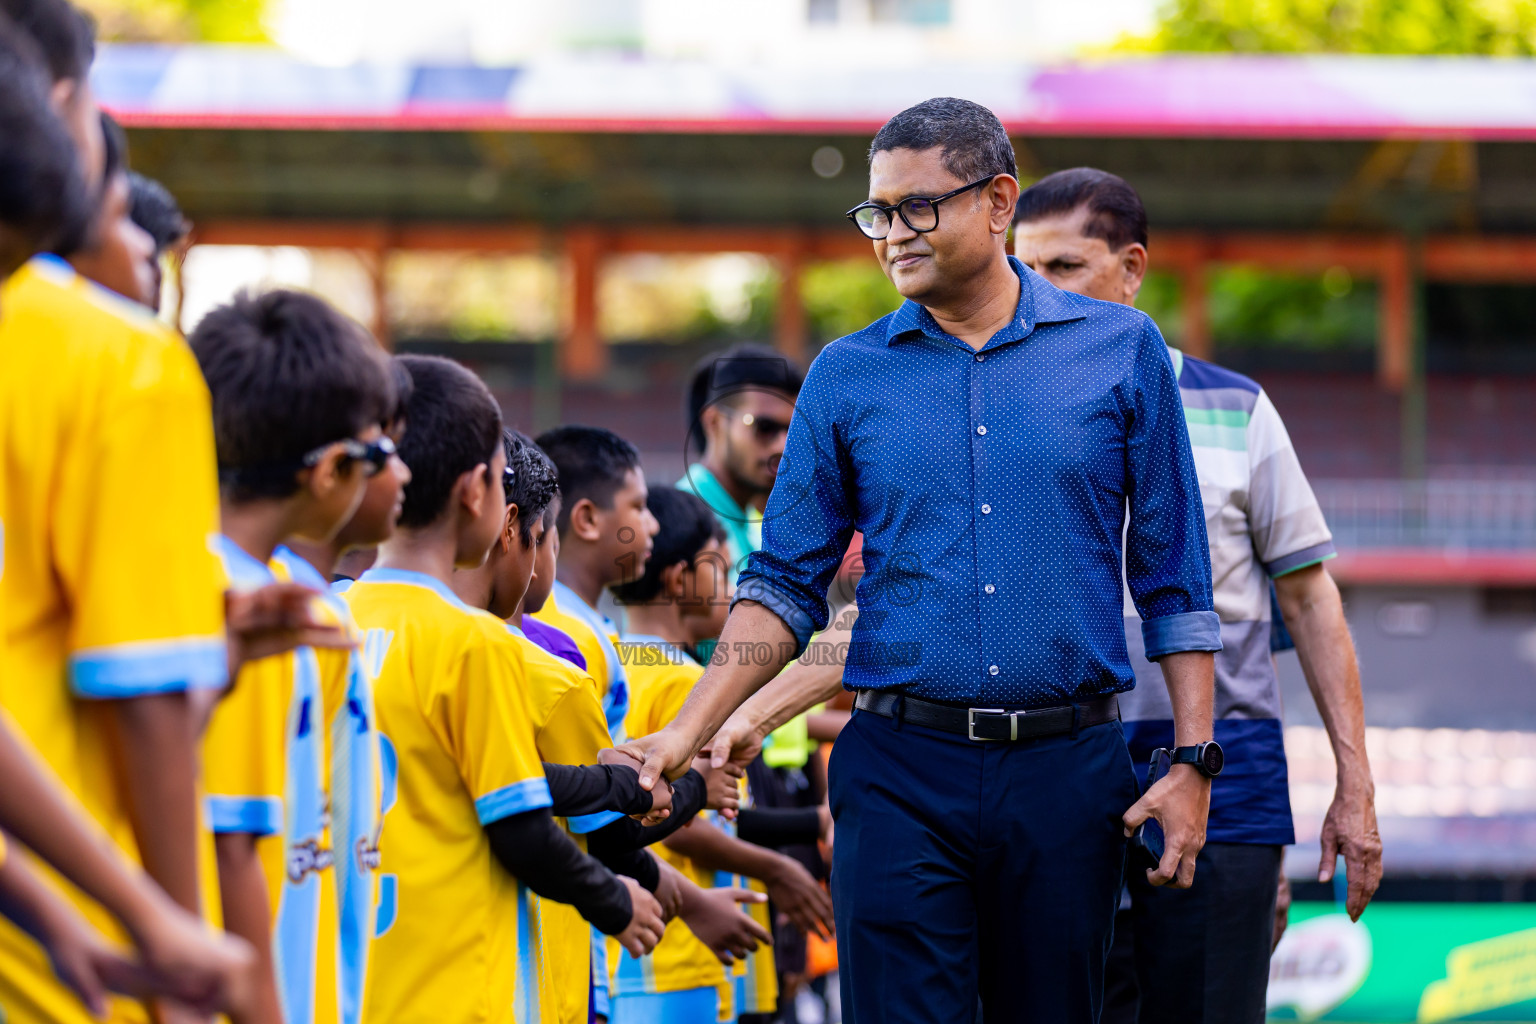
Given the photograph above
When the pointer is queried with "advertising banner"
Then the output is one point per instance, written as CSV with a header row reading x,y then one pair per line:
x,y
1407,963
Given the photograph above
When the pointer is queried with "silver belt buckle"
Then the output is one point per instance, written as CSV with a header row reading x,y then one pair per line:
x,y
970,724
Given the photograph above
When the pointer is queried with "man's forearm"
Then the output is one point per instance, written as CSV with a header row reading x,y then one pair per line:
x,y
1314,613
732,676
1191,679
816,677
157,752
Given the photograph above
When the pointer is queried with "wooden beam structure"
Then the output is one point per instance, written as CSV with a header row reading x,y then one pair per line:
x,y
1382,257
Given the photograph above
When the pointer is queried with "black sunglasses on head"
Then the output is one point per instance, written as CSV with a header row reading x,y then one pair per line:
x,y
374,455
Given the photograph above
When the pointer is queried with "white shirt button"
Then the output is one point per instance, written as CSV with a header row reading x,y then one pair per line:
x,y
981,430
992,670
980,358
989,588
986,510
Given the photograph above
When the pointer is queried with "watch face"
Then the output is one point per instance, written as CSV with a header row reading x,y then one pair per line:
x,y
1212,758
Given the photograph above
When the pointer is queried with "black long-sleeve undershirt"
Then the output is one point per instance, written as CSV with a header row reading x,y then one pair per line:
x,y
579,789
542,856
620,845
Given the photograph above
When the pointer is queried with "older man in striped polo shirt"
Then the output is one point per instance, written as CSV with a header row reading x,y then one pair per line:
x,y
1202,954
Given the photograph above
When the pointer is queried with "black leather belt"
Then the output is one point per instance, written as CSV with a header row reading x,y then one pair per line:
x,y
991,724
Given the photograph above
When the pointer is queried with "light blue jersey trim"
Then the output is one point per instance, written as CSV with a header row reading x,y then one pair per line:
x,y
1186,631
342,586
415,579
245,570
584,823
254,815
528,795
152,666
616,700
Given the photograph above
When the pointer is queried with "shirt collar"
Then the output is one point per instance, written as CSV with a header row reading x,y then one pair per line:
x,y
414,579
1039,303
713,492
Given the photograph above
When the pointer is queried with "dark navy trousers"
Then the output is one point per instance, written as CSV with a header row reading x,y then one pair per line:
x,y
965,870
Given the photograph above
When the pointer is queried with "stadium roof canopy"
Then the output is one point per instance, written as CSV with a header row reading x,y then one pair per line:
x,y
1165,97
1213,143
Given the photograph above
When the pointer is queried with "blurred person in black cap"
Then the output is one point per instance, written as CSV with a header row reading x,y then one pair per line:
x,y
154,209
739,405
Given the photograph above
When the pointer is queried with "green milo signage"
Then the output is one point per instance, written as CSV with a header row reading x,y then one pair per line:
x,y
1407,963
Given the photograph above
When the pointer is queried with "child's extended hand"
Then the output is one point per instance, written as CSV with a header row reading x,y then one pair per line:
x,y
715,918
724,795
277,618
184,959
661,796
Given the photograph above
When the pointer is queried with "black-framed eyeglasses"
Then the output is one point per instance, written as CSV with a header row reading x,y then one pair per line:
x,y
920,213
763,427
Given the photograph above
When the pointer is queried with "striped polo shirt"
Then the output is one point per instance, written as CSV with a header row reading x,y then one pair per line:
x,y
1263,521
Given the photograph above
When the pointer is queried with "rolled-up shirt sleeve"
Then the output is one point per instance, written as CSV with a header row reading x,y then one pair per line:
x,y
809,518
1167,559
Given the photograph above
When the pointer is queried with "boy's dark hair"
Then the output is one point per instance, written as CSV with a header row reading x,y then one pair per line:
x,y
974,142
453,426
591,463
64,34
530,482
687,524
745,367
114,151
288,374
43,198
400,377
154,209
1115,213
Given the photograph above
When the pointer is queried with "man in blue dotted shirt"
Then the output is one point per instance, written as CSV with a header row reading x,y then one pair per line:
x,y
989,438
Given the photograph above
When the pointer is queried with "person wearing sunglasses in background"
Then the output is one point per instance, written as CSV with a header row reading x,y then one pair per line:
x,y
739,405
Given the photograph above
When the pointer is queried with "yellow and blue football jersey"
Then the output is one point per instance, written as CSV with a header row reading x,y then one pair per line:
x,y
110,589
661,677
458,753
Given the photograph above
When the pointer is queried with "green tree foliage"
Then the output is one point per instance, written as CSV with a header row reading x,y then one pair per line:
x,y
846,296
1440,27
180,21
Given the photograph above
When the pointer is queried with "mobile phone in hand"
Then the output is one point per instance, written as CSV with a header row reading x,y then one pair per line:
x,y
1147,840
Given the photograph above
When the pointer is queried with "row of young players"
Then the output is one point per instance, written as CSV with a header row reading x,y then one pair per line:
x,y
122,633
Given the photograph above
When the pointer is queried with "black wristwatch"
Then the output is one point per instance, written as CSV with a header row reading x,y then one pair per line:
x,y
1207,757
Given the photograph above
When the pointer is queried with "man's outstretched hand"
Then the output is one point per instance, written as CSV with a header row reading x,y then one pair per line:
x,y
738,742
1180,801
661,799
665,754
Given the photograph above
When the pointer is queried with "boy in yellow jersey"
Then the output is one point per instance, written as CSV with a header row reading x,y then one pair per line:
x,y
681,600
569,729
605,538
467,823
352,758
298,393
110,615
